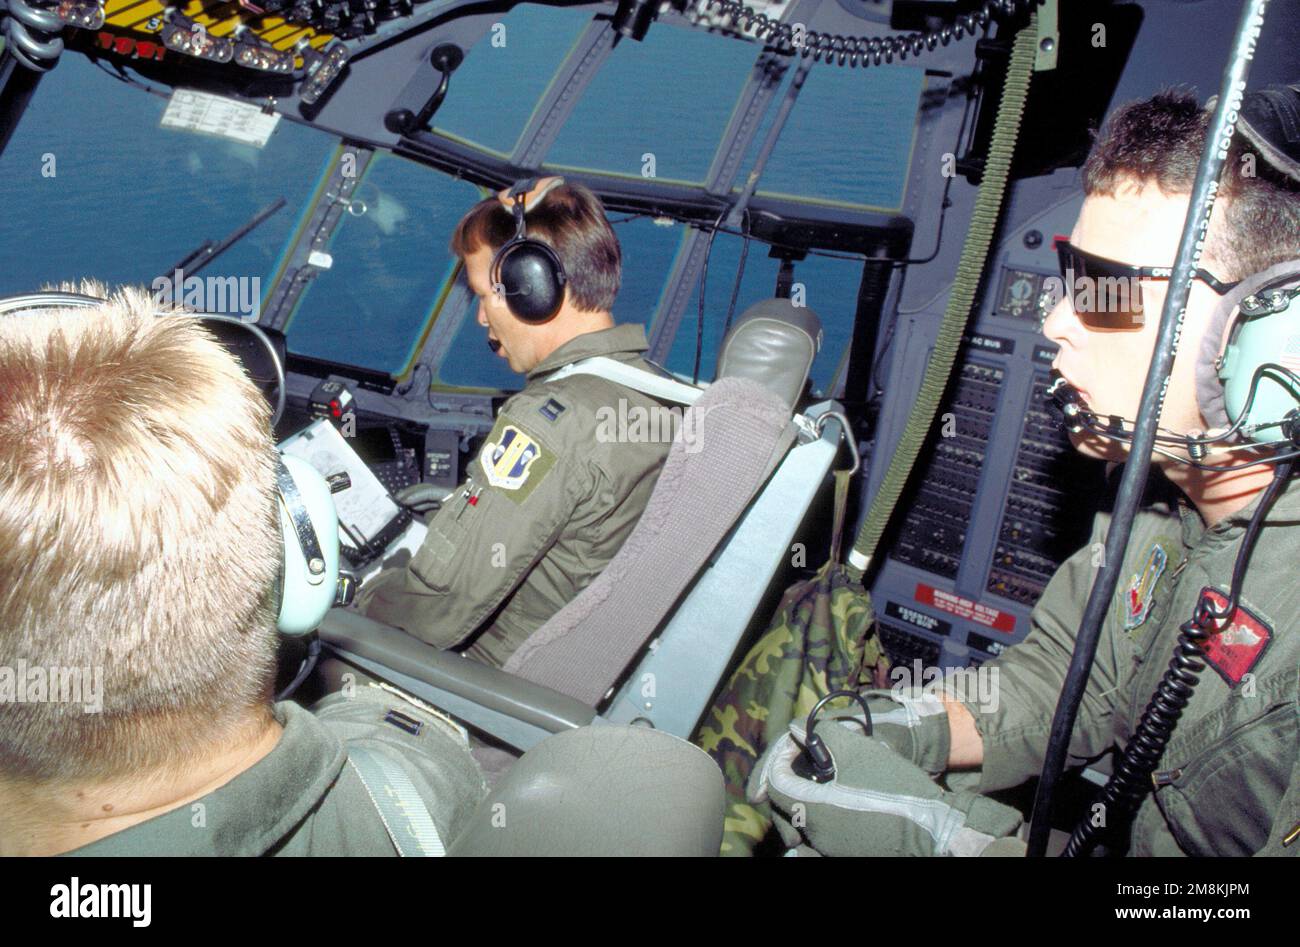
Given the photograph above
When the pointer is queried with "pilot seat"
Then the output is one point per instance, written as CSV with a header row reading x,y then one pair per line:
x,y
650,641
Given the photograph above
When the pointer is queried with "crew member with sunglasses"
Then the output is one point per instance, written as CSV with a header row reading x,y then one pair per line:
x,y
1228,779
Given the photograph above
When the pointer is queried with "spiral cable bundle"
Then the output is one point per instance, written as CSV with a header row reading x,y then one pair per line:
x,y
1125,790
33,35
865,50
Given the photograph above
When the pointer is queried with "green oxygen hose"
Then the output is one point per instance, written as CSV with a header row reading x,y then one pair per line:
x,y
988,204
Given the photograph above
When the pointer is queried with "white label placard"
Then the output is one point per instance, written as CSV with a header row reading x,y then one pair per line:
x,y
195,111
364,508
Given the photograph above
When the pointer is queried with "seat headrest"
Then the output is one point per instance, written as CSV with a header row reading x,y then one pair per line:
x,y
773,343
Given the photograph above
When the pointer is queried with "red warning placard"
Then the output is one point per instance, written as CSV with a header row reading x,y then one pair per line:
x,y
962,607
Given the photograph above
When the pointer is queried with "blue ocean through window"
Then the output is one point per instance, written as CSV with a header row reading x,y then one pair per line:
x,y
849,138
505,73
389,261
658,107
95,188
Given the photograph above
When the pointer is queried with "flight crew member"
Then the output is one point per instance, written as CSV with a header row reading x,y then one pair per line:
x,y
555,490
1228,782
139,539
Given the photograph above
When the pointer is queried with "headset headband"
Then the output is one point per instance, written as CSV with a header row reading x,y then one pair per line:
x,y
524,189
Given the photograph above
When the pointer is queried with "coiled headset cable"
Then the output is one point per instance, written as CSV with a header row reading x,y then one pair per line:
x,y
864,50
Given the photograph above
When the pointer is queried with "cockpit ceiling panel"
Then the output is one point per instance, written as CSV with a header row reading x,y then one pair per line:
x,y
219,19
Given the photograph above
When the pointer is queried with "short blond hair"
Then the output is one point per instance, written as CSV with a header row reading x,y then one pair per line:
x,y
138,534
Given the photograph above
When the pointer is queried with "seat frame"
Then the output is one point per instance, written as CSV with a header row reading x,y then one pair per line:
x,y
679,671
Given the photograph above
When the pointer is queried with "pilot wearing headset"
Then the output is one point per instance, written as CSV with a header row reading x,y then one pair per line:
x,y
149,548
1226,781
557,487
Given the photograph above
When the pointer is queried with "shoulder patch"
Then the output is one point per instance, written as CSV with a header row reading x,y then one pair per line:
x,y
1139,595
513,460
551,410
506,461
1235,650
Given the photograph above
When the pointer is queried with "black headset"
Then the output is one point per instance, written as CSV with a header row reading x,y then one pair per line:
x,y
525,271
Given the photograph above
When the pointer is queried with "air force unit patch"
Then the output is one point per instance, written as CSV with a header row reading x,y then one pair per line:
x,y
514,461
506,463
1139,595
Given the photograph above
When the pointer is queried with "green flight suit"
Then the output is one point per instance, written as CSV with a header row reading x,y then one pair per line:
x,y
1230,776
303,798
558,486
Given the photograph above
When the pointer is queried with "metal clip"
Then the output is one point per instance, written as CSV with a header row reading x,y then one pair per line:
x,y
1266,303
845,430
1167,778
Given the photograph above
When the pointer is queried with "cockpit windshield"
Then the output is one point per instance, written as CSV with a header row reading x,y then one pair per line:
x,y
123,199
383,278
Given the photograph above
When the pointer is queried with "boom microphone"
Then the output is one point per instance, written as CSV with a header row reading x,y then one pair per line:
x,y
1080,418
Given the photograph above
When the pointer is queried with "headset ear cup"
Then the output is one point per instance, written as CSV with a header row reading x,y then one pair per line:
x,y
306,595
494,271
1255,341
532,278
1236,342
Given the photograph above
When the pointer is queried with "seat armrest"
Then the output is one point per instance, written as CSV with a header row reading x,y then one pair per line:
x,y
383,645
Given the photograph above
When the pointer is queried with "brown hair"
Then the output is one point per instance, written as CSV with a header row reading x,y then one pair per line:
x,y
138,535
1160,141
572,221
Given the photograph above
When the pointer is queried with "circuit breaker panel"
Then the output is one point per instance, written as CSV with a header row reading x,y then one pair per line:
x,y
999,498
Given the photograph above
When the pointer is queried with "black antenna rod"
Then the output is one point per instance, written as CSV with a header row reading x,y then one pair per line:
x,y
197,259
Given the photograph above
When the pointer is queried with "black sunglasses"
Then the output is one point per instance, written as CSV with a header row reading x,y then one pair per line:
x,y
1107,294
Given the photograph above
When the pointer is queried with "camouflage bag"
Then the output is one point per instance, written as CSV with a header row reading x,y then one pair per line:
x,y
821,640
